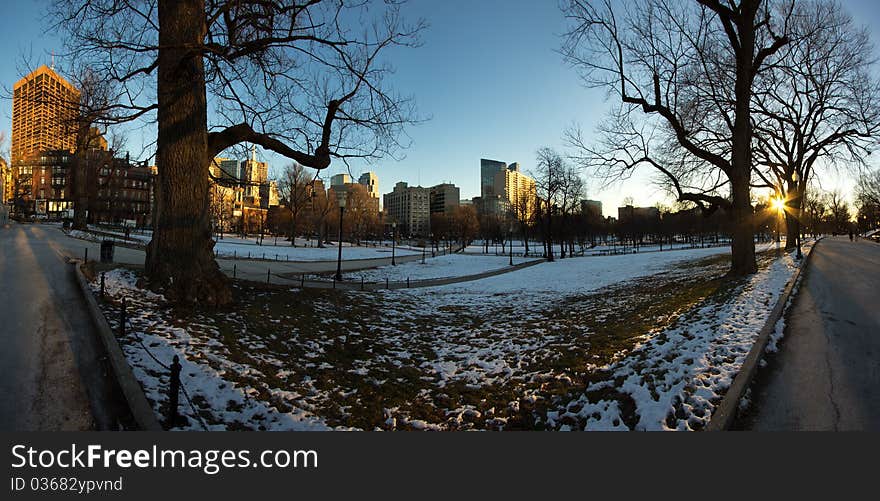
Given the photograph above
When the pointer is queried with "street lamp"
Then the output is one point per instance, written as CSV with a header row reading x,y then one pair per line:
x,y
393,242
432,245
510,243
339,259
797,237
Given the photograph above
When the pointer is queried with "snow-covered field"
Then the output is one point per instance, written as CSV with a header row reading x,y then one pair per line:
x,y
574,344
453,265
677,376
289,253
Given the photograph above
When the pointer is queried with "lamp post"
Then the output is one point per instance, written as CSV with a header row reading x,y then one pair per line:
x,y
510,243
339,259
797,237
393,242
432,245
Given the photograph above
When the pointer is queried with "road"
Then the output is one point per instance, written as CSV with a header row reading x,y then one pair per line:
x,y
827,373
52,374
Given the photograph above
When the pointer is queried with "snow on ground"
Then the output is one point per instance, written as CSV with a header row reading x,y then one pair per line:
x,y
287,252
535,247
676,377
150,345
515,350
453,265
547,282
247,248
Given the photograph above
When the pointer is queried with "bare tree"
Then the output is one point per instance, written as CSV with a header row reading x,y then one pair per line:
x,y
92,113
868,189
838,209
819,103
868,200
294,188
302,78
549,184
321,206
524,214
684,75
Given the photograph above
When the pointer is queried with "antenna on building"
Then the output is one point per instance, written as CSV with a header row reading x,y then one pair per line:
x,y
53,61
253,153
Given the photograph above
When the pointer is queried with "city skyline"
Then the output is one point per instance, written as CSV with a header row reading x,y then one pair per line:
x,y
532,98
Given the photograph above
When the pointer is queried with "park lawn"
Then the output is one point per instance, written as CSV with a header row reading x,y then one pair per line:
x,y
320,359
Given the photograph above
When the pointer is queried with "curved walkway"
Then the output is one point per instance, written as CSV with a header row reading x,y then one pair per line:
x,y
300,281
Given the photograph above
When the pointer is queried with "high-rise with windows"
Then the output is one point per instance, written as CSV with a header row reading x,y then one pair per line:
x,y
410,208
488,170
44,108
371,181
517,191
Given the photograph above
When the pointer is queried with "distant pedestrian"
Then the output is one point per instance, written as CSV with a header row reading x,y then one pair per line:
x,y
850,235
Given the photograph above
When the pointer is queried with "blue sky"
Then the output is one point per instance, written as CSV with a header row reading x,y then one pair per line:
x,y
487,75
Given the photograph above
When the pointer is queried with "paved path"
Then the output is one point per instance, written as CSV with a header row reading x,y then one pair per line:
x,y
257,267
827,373
51,369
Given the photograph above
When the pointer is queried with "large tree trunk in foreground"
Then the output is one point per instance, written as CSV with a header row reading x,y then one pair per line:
x,y
742,247
180,258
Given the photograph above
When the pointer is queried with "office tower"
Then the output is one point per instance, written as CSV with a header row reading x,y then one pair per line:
x,y
488,170
410,208
340,180
444,198
371,181
44,111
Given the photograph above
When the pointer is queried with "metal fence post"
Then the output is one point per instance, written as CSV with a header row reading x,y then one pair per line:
x,y
102,286
86,259
407,282
267,275
122,318
234,269
362,283
386,283
173,391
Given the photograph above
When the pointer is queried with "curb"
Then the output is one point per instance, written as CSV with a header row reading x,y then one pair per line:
x,y
131,389
725,413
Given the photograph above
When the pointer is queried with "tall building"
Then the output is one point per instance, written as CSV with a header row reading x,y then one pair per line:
x,y
517,191
226,170
592,208
340,180
371,181
488,170
444,198
43,114
410,208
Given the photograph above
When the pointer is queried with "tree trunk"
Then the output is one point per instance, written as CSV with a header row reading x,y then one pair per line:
x,y
742,246
549,233
792,223
180,258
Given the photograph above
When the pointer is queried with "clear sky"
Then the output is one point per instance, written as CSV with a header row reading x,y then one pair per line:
x,y
487,76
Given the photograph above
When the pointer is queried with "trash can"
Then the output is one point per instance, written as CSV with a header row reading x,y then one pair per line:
x,y
107,251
